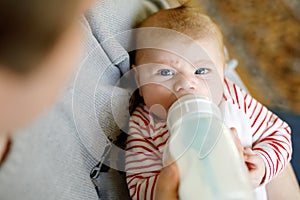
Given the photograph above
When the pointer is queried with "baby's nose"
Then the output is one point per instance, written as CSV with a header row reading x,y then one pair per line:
x,y
187,84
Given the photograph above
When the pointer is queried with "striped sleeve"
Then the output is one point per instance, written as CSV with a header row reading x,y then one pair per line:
x,y
271,137
143,160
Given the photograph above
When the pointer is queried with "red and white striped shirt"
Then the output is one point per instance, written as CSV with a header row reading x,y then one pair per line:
x,y
257,127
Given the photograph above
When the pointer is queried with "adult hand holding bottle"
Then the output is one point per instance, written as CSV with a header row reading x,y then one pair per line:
x,y
167,183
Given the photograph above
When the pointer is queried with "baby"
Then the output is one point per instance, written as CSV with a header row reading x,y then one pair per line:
x,y
183,53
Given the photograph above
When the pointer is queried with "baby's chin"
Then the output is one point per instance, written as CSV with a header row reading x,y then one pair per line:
x,y
159,111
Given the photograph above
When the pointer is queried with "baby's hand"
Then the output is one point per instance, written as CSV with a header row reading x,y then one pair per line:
x,y
256,166
237,142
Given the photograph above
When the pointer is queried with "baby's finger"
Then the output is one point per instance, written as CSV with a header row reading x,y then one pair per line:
x,y
237,141
249,151
249,155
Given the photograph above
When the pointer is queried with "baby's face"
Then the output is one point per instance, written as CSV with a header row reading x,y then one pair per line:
x,y
163,77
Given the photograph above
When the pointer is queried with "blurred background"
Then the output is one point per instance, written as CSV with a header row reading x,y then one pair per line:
x,y
264,36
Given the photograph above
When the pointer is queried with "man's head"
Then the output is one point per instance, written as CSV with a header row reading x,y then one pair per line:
x,y
39,47
30,29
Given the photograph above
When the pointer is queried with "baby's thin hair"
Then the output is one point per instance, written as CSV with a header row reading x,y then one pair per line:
x,y
187,3
187,19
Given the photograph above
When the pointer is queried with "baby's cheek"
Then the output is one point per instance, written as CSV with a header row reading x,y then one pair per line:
x,y
158,99
159,110
204,89
215,90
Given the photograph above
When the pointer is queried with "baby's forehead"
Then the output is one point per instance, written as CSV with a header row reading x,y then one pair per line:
x,y
156,55
147,56
187,49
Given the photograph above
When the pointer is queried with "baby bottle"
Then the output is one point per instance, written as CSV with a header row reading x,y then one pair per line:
x,y
209,164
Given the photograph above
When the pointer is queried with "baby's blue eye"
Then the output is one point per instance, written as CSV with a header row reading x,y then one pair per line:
x,y
201,71
166,72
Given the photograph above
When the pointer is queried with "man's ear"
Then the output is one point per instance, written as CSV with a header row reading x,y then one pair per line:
x,y
137,79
